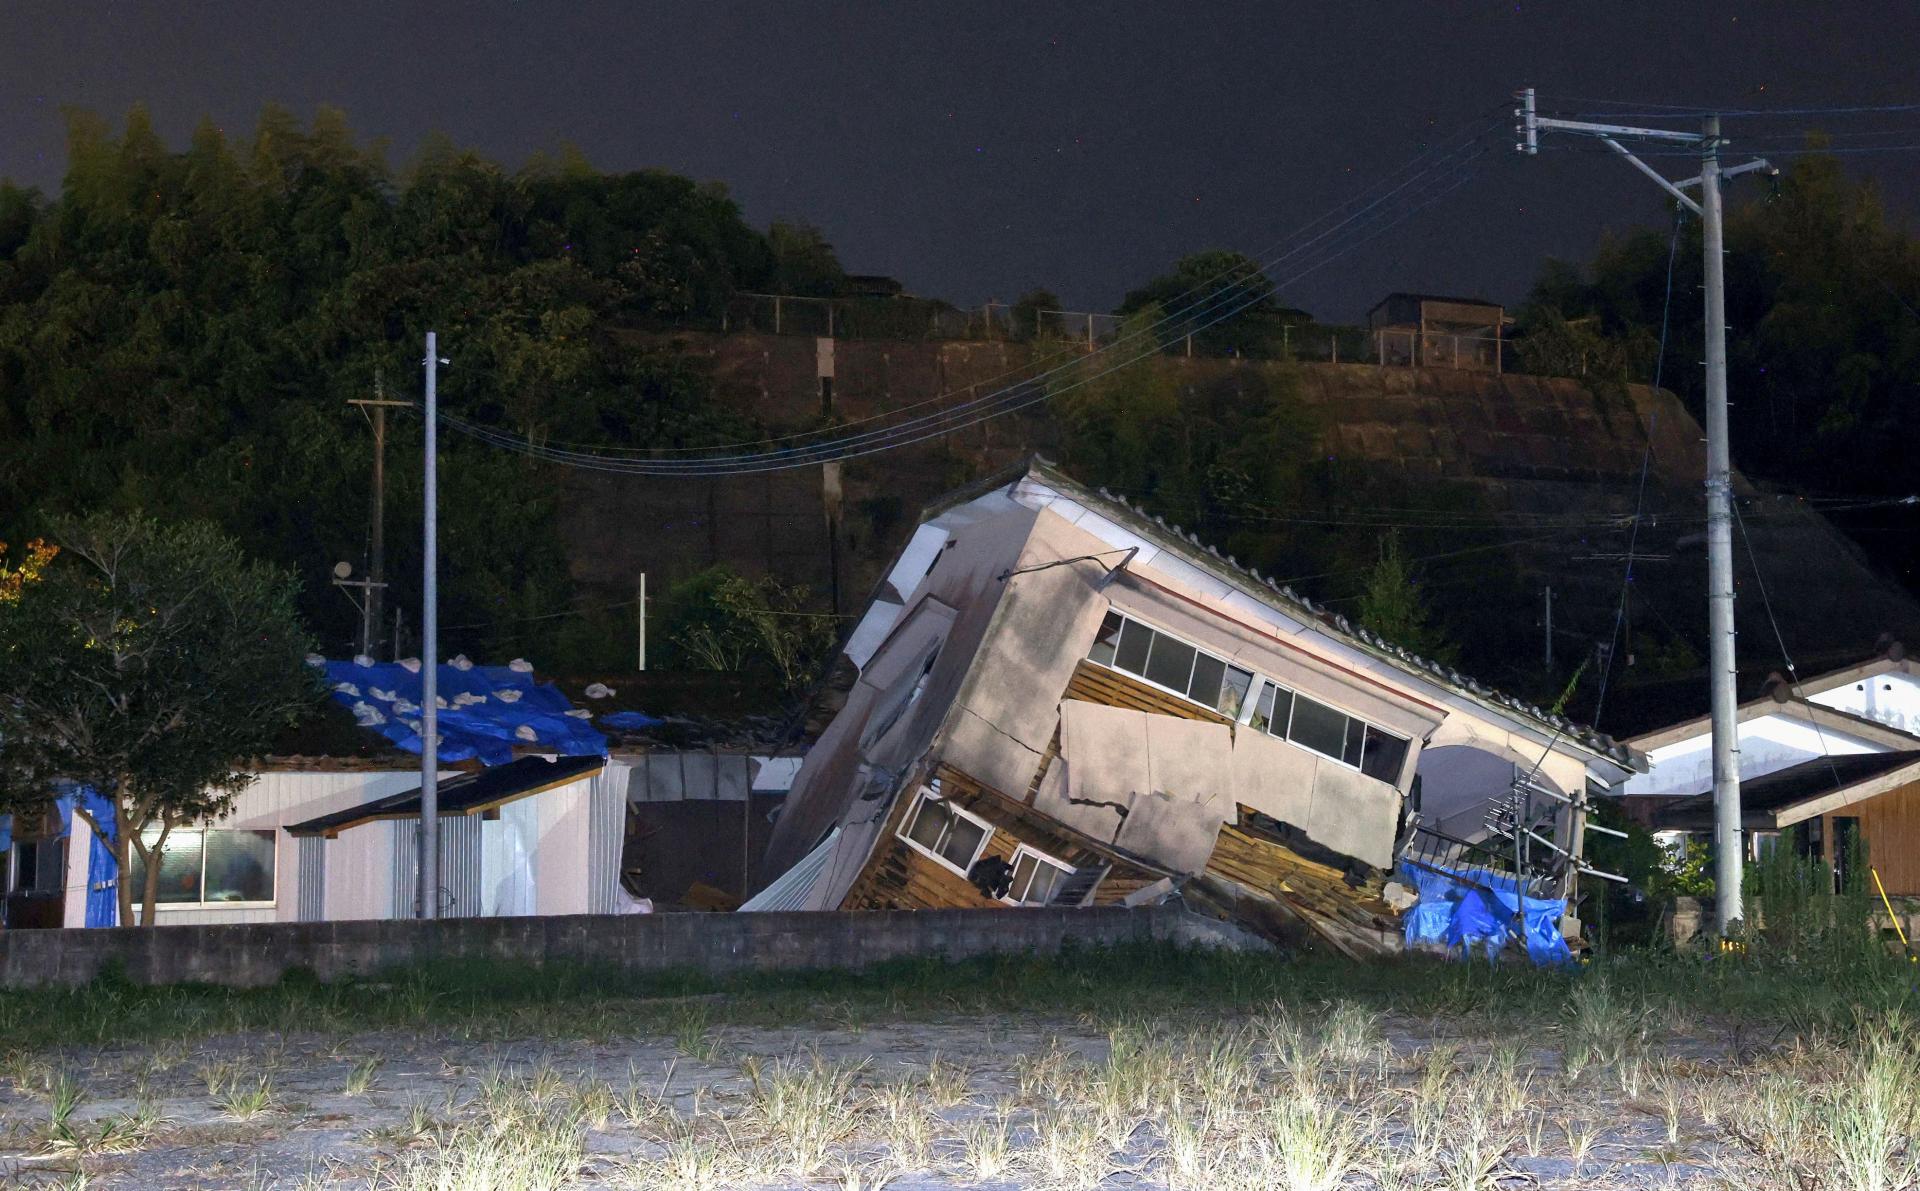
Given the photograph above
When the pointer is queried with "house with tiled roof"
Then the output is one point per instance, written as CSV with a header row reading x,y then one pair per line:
x,y
1062,700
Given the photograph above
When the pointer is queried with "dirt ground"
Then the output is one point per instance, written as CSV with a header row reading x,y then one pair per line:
x,y
1318,1096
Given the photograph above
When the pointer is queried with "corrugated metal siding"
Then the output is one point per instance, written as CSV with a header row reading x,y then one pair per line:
x,y
792,889
606,835
405,875
459,866
312,851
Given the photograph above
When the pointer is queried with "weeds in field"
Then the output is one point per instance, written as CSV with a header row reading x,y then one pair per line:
x,y
360,1080
243,1102
987,1146
800,1102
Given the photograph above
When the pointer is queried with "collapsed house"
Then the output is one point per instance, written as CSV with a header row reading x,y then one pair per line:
x,y
1834,759
1064,701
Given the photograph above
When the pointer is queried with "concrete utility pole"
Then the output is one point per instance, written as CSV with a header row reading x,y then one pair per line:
x,y
1719,485
429,893
377,531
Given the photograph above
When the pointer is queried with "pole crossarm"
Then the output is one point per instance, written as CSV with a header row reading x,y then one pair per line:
x,y
1679,196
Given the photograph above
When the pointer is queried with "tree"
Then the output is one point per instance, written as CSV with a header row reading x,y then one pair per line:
x,y
803,262
1218,285
1392,605
1036,315
149,661
722,620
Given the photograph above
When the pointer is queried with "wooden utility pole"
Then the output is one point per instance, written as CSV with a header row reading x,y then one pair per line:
x,y
377,530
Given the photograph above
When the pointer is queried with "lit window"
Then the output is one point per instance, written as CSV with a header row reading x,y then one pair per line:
x,y
945,832
1036,877
208,867
1166,661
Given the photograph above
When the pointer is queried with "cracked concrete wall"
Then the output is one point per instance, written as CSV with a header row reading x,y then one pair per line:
x,y
1003,721
1161,787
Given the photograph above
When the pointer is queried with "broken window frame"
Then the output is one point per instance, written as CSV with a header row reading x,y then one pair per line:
x,y
1349,741
1065,870
1229,668
925,795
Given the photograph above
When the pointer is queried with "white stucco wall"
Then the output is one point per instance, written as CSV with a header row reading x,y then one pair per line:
x,y
1768,744
1890,698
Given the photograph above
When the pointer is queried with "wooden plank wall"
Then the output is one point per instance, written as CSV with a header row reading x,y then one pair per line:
x,y
899,877
1094,683
1890,825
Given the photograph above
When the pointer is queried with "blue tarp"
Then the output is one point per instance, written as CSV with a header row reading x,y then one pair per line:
x,y
631,721
484,710
103,904
1476,912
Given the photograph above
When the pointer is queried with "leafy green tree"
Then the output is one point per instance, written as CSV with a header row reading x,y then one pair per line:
x,y
722,620
180,333
1036,315
803,262
1229,286
1392,605
149,661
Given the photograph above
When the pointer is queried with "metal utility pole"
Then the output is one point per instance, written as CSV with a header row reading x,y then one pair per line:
x,y
1719,486
377,532
640,609
429,893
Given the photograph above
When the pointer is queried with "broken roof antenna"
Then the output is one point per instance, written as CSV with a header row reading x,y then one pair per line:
x,y
1719,480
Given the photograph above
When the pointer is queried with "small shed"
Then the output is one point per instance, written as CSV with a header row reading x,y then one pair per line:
x,y
1429,331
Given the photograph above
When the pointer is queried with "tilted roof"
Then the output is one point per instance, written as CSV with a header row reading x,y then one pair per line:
x,y
1333,624
465,794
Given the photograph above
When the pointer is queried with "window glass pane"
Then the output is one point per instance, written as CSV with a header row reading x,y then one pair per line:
x,y
1171,663
1132,654
1207,673
1263,711
1022,876
1046,879
239,866
1385,755
1317,726
1350,752
179,868
1108,640
963,841
1233,691
1282,710
928,823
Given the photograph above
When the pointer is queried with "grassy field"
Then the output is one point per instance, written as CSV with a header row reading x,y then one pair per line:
x,y
1141,1067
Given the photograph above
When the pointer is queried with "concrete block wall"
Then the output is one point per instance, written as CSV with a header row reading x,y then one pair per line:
x,y
255,954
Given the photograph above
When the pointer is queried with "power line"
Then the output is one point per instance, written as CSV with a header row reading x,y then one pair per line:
x,y
1008,400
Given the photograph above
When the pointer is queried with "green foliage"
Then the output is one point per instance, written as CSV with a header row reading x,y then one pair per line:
x,y
1804,914
1823,310
722,620
149,661
1208,285
1685,871
1392,605
803,262
1036,315
180,332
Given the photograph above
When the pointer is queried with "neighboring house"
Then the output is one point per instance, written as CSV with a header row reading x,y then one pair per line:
x,y
1064,701
328,830
1425,331
1837,756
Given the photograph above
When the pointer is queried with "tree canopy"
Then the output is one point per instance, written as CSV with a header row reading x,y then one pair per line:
x,y
150,662
180,332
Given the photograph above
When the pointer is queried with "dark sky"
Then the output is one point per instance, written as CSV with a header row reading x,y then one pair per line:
x,y
977,149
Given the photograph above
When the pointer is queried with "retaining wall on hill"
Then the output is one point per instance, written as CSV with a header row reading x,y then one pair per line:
x,y
715,944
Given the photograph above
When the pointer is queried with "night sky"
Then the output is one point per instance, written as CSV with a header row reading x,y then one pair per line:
x,y
976,150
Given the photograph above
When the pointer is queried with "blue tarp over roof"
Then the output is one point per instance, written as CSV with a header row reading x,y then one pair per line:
x,y
485,711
